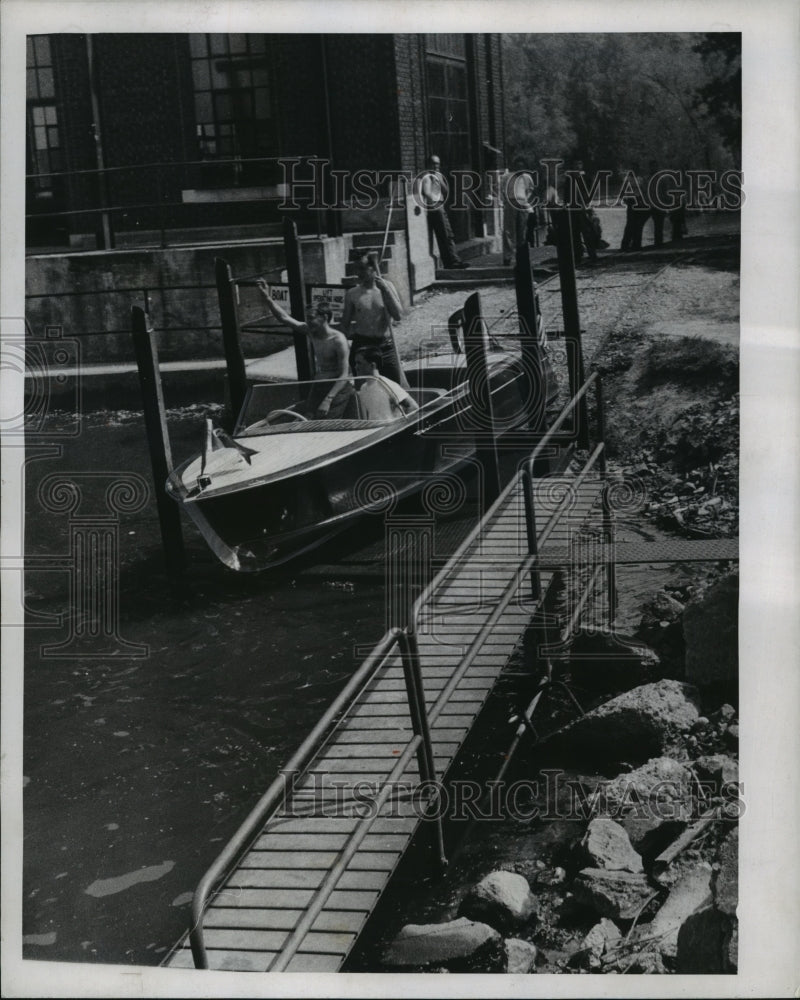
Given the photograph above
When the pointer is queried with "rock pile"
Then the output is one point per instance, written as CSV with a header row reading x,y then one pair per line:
x,y
649,884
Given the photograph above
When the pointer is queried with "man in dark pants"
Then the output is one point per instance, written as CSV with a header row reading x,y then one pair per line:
x,y
369,309
658,213
434,193
637,211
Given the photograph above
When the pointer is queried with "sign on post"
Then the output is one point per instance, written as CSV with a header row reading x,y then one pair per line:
x,y
332,294
279,294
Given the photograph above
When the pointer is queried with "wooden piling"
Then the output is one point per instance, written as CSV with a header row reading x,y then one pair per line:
x,y
533,357
562,224
155,421
482,415
297,298
231,341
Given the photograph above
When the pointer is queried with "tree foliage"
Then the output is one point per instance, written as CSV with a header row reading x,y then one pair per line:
x,y
721,52
614,100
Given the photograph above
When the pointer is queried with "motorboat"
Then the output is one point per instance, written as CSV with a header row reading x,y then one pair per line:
x,y
284,482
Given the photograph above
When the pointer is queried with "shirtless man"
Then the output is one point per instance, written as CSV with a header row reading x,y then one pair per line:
x,y
369,309
330,358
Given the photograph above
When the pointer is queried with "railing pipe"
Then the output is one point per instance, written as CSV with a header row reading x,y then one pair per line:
x,y
276,792
530,527
322,894
423,597
556,425
608,514
412,667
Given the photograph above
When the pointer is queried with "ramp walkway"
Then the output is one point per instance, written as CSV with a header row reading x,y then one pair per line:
x,y
297,883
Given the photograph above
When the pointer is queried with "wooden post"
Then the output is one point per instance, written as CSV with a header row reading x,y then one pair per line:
x,y
533,358
297,298
482,416
572,324
234,359
155,421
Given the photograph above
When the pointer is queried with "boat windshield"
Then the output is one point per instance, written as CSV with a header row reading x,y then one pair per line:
x,y
281,407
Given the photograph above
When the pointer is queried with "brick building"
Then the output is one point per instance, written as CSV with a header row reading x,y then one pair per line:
x,y
189,128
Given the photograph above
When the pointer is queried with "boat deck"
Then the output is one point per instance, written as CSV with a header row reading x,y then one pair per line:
x,y
266,894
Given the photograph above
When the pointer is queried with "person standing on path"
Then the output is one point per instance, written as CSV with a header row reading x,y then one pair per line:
x,y
636,210
369,309
656,208
434,193
519,204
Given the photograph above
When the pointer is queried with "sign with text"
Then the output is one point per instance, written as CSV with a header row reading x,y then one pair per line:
x,y
279,294
332,294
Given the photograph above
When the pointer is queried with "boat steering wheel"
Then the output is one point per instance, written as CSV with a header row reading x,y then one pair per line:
x,y
293,414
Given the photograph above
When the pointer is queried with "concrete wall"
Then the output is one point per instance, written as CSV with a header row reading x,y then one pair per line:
x,y
90,295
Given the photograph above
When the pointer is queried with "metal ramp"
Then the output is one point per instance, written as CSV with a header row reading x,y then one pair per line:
x,y
297,883
296,856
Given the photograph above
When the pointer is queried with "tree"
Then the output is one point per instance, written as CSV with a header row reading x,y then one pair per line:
x,y
611,100
721,52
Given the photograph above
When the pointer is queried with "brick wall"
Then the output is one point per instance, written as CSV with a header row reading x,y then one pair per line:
x,y
300,94
376,98
364,117
143,112
410,102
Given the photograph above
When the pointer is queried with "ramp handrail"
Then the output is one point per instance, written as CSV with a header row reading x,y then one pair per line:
x,y
531,560
546,439
422,717
277,791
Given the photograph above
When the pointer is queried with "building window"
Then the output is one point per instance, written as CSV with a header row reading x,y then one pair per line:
x,y
44,140
233,100
448,100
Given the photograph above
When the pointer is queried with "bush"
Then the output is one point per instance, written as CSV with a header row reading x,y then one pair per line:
x,y
690,360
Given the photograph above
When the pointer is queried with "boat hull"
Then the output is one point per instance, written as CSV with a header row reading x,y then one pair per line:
x,y
271,517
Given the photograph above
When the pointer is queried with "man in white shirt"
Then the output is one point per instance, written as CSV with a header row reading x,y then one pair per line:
x,y
379,398
434,192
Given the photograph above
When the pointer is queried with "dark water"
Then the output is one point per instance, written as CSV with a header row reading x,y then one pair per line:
x,y
137,771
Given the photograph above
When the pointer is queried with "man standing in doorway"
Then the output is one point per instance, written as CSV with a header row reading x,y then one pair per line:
x,y
434,194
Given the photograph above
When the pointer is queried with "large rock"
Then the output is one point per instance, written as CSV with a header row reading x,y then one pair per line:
x,y
425,944
520,957
618,895
638,724
600,661
501,899
664,609
690,893
657,793
711,633
608,846
719,770
601,938
701,942
726,880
